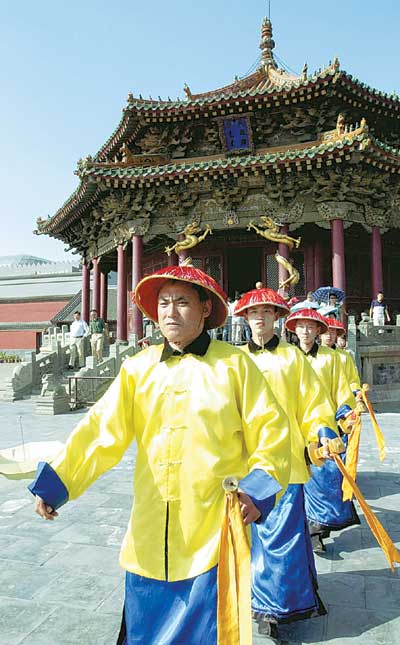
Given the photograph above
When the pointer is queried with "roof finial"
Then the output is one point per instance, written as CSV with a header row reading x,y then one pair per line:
x,y
267,43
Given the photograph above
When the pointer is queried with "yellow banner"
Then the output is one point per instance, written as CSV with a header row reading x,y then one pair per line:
x,y
374,524
352,458
380,439
234,578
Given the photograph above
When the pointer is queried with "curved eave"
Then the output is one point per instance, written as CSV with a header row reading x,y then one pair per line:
x,y
240,95
83,197
298,158
283,160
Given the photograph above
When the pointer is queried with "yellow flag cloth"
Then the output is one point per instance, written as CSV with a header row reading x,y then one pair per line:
x,y
234,578
352,458
380,439
374,524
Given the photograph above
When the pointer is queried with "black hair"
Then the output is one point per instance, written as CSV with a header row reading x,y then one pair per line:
x,y
77,312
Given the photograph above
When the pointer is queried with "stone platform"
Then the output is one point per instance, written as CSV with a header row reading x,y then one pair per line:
x,y
60,582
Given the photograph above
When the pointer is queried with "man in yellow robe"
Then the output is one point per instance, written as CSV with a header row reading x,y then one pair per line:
x,y
329,339
200,412
284,580
325,508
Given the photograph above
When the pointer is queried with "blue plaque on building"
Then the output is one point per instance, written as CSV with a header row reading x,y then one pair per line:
x,y
237,135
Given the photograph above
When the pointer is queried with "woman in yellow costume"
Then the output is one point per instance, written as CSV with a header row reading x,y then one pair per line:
x,y
200,412
324,505
284,579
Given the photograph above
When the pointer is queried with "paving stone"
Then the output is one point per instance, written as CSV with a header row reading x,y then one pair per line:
x,y
382,593
113,603
79,590
362,626
96,533
31,549
342,588
22,579
71,626
86,559
19,617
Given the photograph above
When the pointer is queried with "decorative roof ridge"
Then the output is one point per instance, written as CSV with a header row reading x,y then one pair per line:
x,y
267,154
84,190
392,97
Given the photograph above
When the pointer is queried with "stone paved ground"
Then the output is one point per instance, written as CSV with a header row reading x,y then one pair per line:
x,y
60,583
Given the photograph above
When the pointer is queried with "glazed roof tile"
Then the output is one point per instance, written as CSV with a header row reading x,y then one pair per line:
x,y
334,145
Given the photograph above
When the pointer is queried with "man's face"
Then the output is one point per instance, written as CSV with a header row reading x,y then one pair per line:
x,y
307,331
77,316
261,319
341,342
181,314
329,338
94,315
332,300
379,297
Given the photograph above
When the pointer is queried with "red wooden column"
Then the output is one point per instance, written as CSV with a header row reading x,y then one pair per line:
x,y
122,297
309,267
338,261
103,295
96,285
182,255
318,277
137,273
173,260
85,291
283,250
376,261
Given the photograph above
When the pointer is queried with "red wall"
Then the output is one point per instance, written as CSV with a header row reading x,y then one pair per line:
x,y
18,340
30,311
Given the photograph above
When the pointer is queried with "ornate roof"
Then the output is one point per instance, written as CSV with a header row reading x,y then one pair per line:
x,y
334,146
268,87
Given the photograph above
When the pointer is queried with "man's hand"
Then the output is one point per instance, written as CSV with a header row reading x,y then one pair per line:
x,y
249,510
324,441
42,509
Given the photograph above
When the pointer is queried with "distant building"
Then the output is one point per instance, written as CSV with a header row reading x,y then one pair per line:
x,y
32,292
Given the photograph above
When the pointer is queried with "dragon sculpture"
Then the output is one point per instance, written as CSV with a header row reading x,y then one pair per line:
x,y
190,240
271,232
293,276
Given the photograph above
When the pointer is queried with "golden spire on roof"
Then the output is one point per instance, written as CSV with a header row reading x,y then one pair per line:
x,y
267,45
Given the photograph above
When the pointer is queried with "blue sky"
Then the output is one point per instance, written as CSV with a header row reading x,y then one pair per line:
x,y
68,65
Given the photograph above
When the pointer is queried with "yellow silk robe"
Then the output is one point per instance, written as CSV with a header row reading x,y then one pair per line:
x,y
302,396
196,420
349,367
328,367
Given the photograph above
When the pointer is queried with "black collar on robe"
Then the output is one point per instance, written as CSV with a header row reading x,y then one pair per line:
x,y
271,345
313,351
198,347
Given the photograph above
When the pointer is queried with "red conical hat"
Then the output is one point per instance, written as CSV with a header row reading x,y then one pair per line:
x,y
146,292
335,324
262,297
305,314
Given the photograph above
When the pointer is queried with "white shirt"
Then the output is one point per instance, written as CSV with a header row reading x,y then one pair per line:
x,y
79,328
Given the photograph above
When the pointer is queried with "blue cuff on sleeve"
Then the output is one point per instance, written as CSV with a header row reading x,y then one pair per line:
x,y
261,488
342,412
326,432
49,486
355,392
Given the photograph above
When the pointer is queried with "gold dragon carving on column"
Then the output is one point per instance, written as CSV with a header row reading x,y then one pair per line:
x,y
270,230
190,240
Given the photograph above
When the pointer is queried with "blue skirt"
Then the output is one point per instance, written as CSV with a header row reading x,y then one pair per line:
x,y
159,612
284,579
325,509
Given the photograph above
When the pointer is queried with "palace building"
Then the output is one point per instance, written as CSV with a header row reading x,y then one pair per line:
x,y
314,156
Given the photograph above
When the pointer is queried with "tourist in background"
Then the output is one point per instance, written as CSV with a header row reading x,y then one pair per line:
x,y
78,330
378,310
97,327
